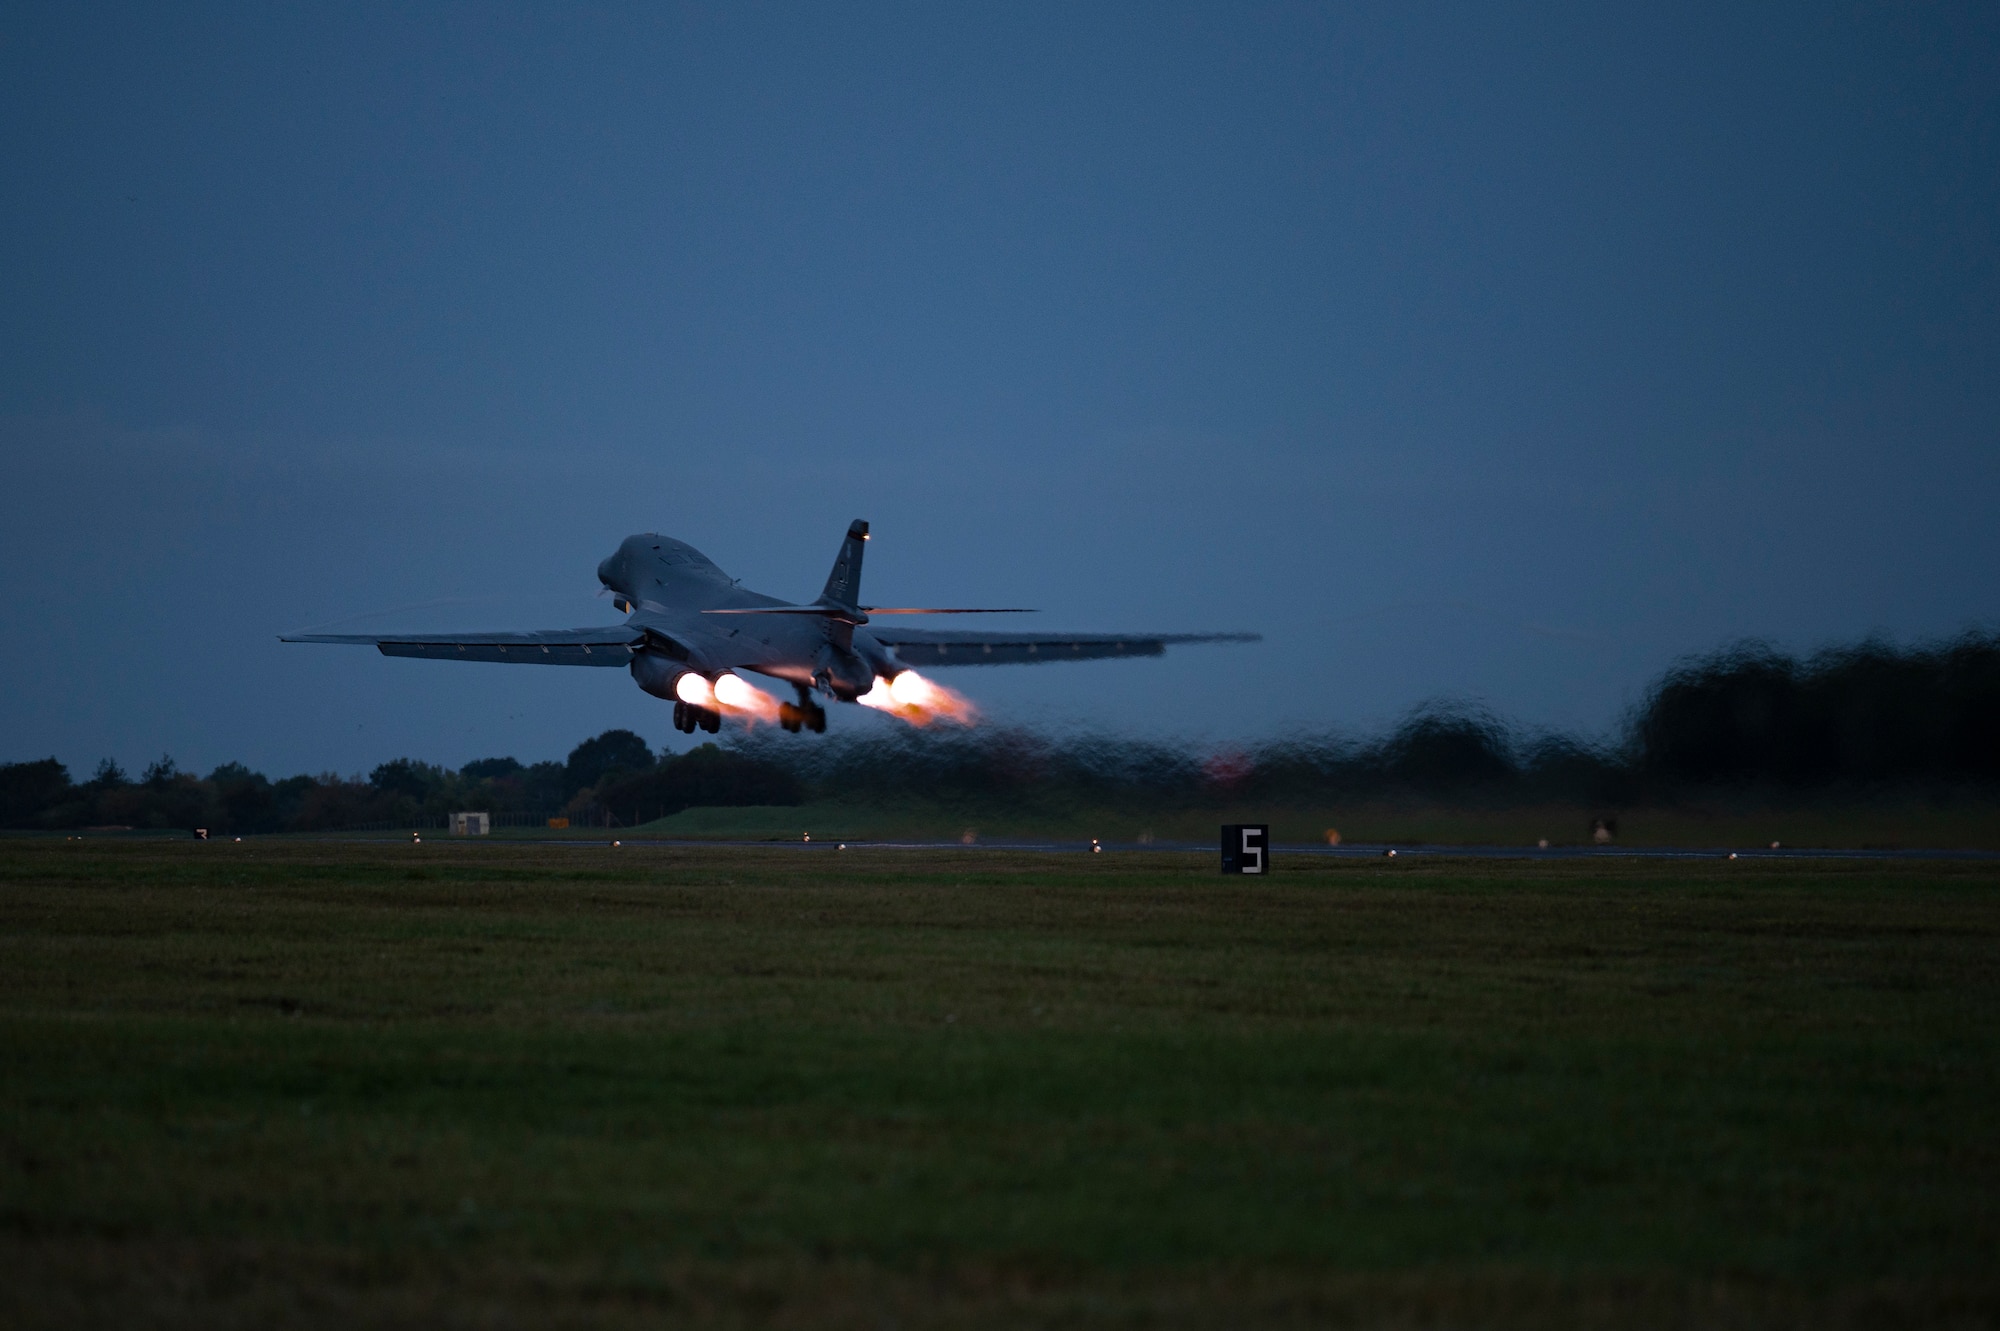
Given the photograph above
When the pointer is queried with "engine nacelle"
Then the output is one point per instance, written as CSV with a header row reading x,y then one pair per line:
x,y
880,660
845,673
657,675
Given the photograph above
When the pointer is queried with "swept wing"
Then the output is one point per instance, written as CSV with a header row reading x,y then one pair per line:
x,y
609,646
948,647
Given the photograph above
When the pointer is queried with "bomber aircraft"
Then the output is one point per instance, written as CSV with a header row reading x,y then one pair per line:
x,y
690,628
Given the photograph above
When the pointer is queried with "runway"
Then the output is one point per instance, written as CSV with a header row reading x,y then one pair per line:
x,y
1359,851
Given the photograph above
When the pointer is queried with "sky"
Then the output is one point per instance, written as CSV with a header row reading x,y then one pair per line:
x,y
1504,354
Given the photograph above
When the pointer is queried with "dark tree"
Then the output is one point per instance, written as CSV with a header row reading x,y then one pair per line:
x,y
545,786
613,751
291,795
243,800
406,777
1871,713
490,769
704,777
29,790
1444,750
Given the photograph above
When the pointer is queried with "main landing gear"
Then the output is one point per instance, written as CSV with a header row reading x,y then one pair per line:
x,y
807,715
688,718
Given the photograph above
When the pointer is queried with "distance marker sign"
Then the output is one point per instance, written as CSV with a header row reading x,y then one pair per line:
x,y
1246,848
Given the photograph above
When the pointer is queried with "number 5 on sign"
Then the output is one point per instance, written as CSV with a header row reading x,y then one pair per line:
x,y
1246,848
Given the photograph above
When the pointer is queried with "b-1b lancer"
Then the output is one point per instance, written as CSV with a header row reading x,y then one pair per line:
x,y
690,628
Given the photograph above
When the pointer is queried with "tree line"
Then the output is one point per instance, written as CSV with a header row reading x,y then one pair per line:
x,y
1858,720
1864,717
614,777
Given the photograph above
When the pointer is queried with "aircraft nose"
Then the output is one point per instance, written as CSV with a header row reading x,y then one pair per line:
x,y
606,569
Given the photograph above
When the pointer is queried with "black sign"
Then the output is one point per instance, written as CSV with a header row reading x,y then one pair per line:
x,y
1246,848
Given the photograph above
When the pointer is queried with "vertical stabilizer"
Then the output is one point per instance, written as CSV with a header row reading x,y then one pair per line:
x,y
843,585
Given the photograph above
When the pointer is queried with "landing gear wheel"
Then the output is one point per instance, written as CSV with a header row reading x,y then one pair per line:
x,y
682,721
807,715
710,721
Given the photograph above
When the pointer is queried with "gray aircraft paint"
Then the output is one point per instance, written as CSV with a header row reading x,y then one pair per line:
x,y
687,615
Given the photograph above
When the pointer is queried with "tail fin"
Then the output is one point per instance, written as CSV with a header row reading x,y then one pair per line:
x,y
843,585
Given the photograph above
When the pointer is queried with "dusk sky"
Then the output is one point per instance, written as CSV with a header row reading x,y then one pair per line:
x,y
1504,354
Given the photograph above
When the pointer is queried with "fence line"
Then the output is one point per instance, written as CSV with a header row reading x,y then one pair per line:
x,y
442,823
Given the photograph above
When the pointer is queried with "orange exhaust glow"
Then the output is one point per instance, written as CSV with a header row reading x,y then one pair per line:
x,y
730,695
918,700
739,698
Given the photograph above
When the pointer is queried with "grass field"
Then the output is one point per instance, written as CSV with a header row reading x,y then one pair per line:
x,y
498,1085
1964,824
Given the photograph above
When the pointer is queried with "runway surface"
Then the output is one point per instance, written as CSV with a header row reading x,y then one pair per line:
x,y
1344,851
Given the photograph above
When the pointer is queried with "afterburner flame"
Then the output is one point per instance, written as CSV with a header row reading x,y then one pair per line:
x,y
918,700
739,698
730,695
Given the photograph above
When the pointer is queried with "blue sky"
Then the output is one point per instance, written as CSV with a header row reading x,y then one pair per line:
x,y
1497,353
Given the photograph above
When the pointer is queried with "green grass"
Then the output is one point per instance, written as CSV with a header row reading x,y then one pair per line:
x,y
1968,825
479,1084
